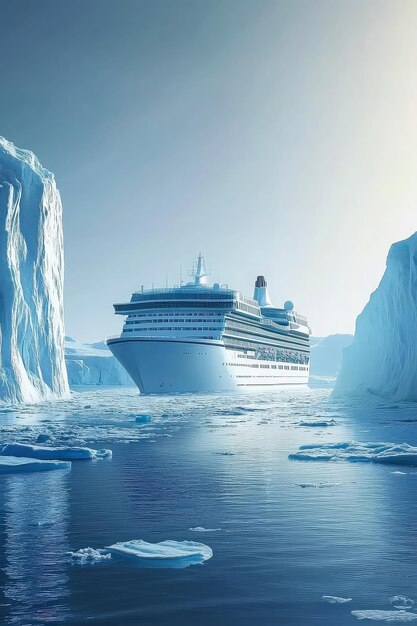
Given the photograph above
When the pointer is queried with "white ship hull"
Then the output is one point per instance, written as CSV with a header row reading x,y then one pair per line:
x,y
176,366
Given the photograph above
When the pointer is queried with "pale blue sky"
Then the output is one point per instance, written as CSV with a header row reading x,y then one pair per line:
x,y
278,138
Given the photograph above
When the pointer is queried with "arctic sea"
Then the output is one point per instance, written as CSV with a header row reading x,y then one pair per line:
x,y
284,533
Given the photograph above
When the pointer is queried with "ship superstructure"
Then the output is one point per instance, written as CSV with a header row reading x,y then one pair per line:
x,y
197,338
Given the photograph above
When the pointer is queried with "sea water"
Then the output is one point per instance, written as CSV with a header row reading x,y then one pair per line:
x,y
212,469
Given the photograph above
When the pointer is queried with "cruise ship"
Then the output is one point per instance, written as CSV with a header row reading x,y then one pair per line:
x,y
197,337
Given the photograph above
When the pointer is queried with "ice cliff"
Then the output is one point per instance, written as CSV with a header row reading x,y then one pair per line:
x,y
93,364
32,365
326,354
383,356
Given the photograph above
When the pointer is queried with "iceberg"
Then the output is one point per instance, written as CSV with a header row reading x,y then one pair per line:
x,y
49,453
93,364
20,465
32,366
336,599
355,451
170,553
326,354
383,357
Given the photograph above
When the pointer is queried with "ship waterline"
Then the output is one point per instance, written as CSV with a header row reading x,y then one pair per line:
x,y
199,338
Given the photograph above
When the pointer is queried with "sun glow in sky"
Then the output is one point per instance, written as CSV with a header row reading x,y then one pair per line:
x,y
277,137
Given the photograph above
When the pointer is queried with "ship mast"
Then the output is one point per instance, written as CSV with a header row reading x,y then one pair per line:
x,y
199,272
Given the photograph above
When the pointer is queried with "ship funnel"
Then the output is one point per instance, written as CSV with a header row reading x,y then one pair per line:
x,y
260,293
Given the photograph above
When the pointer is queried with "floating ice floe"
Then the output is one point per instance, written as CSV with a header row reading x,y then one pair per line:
x,y
170,553
318,423
89,556
318,485
225,453
20,465
401,602
201,529
391,617
355,451
49,453
336,599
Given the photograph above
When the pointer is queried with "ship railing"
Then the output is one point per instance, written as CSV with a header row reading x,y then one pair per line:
x,y
113,337
191,288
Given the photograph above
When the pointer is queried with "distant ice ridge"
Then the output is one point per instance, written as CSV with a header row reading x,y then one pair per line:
x,y
355,451
22,465
93,364
49,453
326,354
383,357
32,365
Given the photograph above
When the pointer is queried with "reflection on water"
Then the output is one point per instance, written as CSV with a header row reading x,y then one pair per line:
x,y
218,462
36,522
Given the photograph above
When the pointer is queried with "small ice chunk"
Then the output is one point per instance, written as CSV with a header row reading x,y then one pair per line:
x,y
401,602
399,473
88,556
225,453
336,599
319,485
172,553
49,453
201,529
318,423
42,438
143,418
391,617
20,465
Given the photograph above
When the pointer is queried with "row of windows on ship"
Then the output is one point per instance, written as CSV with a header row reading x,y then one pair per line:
x,y
286,356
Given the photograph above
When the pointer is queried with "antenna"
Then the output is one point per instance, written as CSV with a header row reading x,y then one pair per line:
x,y
199,272
180,275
